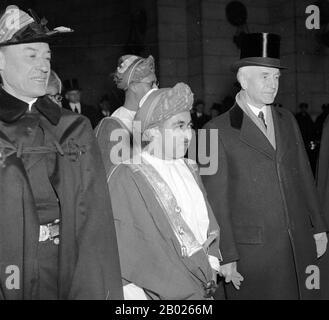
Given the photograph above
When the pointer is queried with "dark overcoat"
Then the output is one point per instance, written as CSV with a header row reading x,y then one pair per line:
x,y
266,204
323,187
88,258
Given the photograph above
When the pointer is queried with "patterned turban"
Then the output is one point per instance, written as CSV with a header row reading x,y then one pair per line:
x,y
134,69
162,104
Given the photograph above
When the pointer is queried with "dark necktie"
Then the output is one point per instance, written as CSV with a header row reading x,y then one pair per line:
x,y
261,116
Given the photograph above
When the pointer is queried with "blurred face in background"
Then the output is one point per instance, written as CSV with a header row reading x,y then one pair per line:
x,y
25,69
199,108
54,95
54,88
214,113
73,96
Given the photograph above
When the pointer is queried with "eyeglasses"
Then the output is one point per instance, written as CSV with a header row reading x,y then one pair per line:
x,y
56,97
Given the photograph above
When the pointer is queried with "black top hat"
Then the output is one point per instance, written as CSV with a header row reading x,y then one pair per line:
x,y
259,49
71,85
16,27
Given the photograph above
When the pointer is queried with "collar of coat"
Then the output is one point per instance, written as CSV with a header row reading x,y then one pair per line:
x,y
236,113
12,108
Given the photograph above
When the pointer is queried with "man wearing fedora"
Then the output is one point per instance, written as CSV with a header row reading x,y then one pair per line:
x,y
73,102
57,237
263,192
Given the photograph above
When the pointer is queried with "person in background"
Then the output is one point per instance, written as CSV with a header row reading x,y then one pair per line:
x,y
136,77
105,106
215,110
73,102
199,118
54,88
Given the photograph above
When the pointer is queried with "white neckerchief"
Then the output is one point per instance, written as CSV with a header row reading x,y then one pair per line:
x,y
31,103
126,116
75,106
256,111
145,96
187,192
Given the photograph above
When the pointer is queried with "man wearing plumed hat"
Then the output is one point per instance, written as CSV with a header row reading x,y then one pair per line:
x,y
57,237
168,237
263,193
136,77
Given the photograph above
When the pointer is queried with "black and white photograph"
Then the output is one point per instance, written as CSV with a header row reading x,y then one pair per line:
x,y
164,150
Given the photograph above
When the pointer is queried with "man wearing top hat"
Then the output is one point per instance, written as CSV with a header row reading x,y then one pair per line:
x,y
73,102
57,237
263,193
136,77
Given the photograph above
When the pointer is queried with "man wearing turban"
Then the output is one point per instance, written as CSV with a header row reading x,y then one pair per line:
x,y
136,76
168,237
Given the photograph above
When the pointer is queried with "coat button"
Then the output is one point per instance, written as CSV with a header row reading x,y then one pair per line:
x,y
178,209
56,241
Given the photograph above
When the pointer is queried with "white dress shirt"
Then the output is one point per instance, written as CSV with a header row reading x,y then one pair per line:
x,y
31,103
75,106
256,111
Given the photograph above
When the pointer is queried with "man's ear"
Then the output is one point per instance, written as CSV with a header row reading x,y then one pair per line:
x,y
243,81
149,134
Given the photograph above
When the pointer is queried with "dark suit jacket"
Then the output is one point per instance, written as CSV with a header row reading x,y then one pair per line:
x,y
93,114
266,205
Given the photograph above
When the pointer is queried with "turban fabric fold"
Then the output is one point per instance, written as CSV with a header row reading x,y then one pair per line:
x,y
134,69
164,103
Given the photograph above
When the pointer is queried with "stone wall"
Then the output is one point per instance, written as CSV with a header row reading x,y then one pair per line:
x,y
201,30
191,40
103,29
